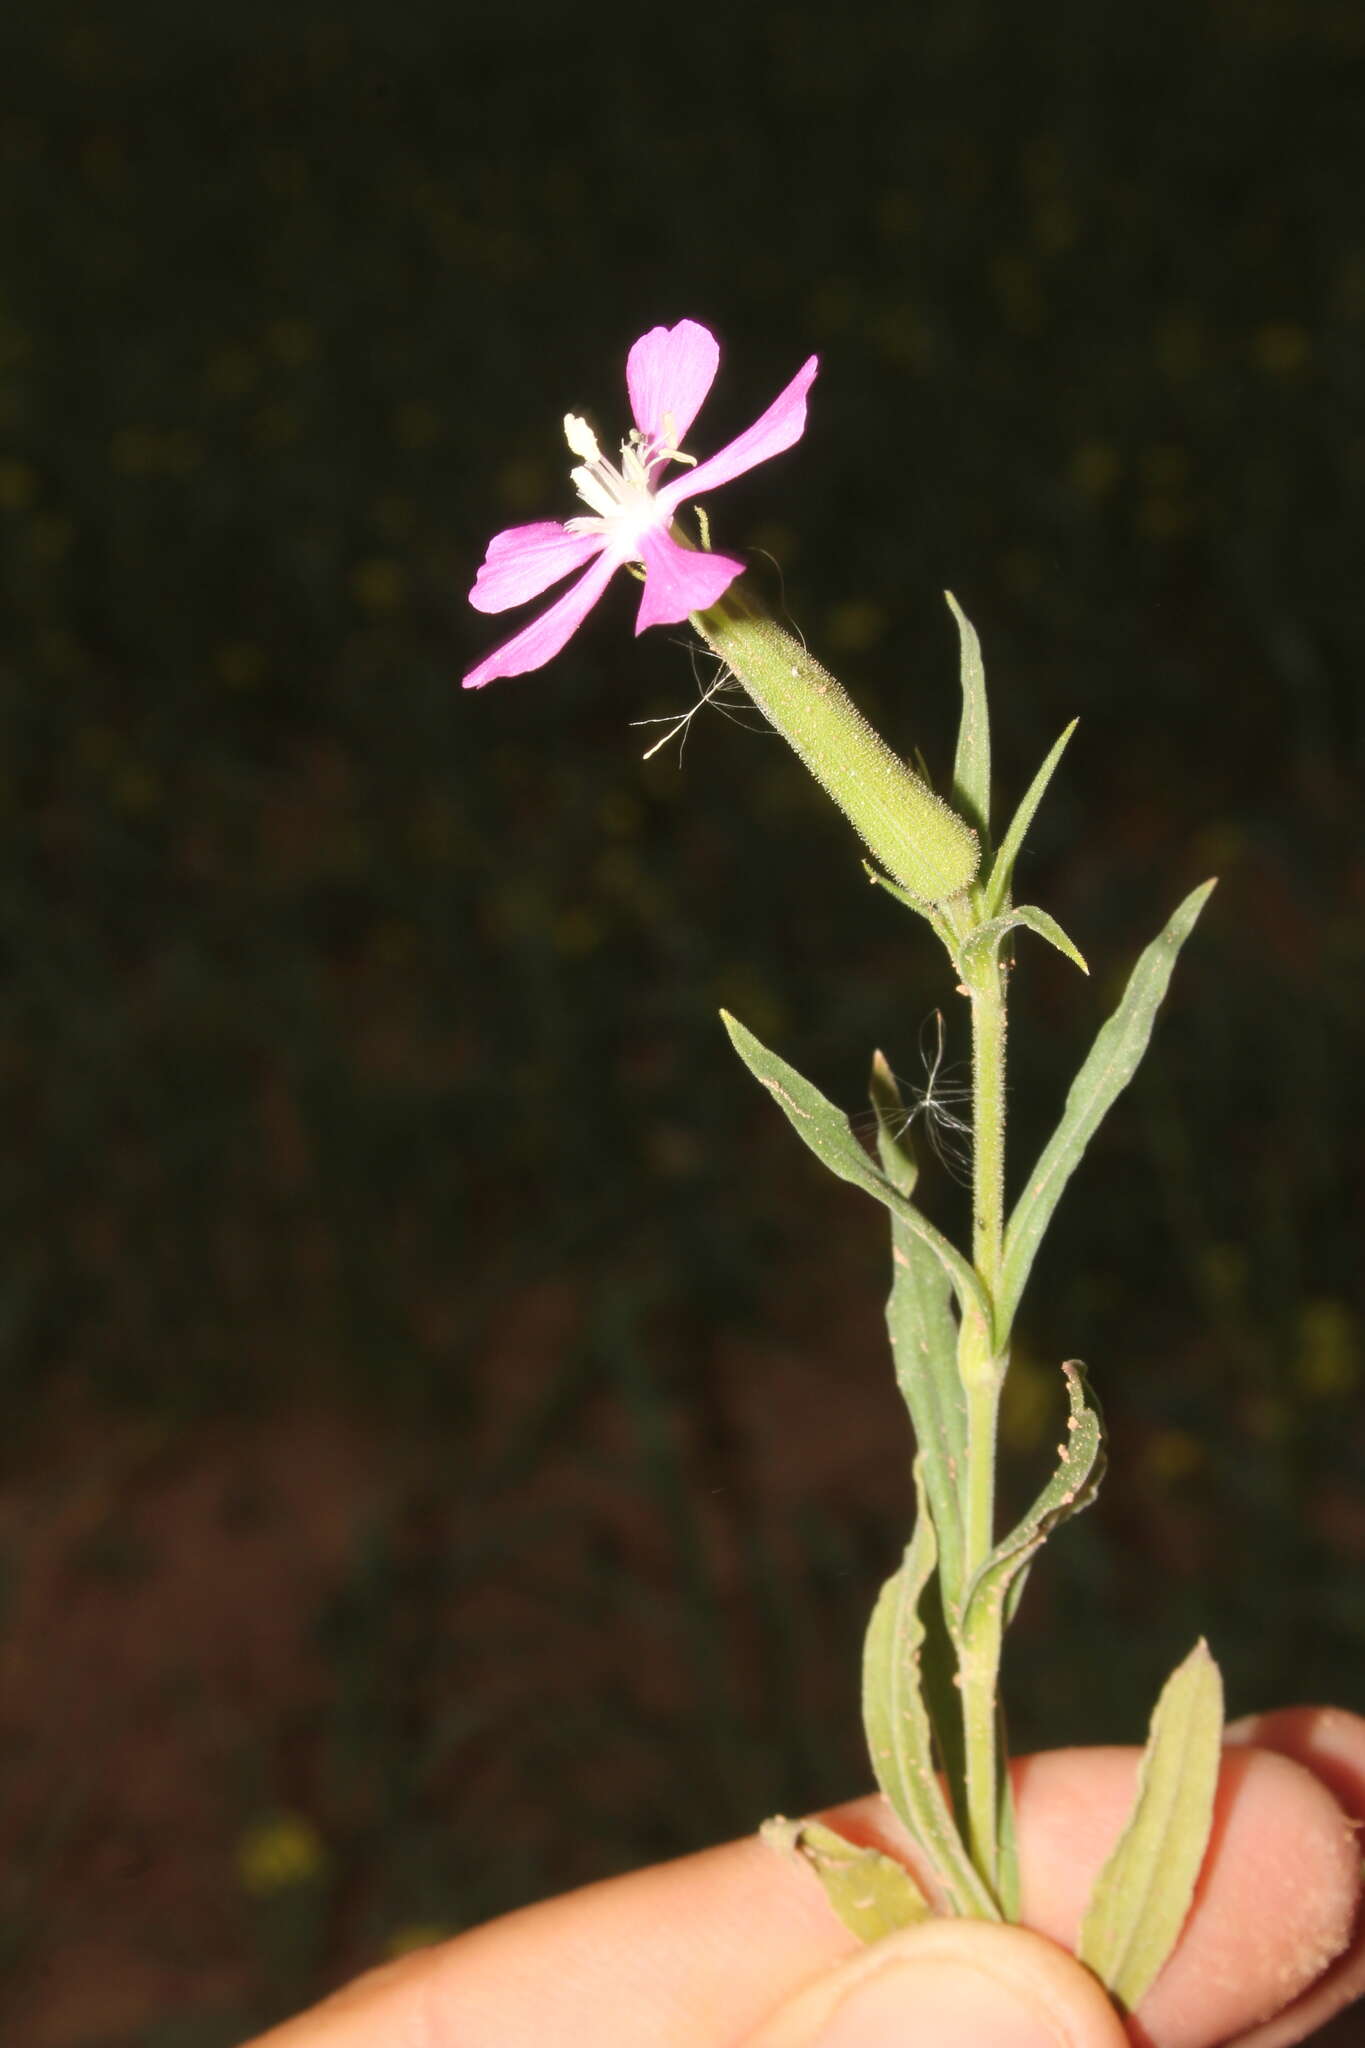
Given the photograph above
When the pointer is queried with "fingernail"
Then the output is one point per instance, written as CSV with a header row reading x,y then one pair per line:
x,y
936,2002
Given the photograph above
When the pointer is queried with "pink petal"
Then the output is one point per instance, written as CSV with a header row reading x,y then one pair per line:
x,y
542,639
680,580
523,561
780,427
668,374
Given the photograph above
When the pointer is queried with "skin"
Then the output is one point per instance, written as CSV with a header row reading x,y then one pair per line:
x,y
735,1948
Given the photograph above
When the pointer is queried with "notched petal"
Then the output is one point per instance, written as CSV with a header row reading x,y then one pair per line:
x,y
543,638
779,428
668,374
679,581
524,561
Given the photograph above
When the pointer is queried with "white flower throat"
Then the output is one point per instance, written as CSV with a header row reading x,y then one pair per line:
x,y
621,497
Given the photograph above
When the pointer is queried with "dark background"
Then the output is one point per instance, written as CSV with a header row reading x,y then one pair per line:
x,y
451,1449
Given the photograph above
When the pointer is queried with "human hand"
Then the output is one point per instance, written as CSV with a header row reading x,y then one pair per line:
x,y
736,1948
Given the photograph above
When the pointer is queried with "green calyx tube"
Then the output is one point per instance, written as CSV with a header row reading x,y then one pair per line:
x,y
912,834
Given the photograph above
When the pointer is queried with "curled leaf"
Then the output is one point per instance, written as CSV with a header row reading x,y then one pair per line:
x,y
1071,1489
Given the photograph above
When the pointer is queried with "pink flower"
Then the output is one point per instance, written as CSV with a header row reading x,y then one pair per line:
x,y
668,374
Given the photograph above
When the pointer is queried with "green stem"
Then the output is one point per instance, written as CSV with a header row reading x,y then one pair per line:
x,y
981,1362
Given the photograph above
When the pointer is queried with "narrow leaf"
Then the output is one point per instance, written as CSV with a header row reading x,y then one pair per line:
x,y
985,940
1143,1893
972,765
871,1893
899,1730
1071,1489
1002,872
923,1332
894,1147
1110,1066
829,1135
1036,920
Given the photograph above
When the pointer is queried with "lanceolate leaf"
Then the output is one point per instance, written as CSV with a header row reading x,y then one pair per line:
x,y
1002,872
899,1732
923,1333
828,1133
1143,1893
1111,1064
871,1893
985,940
972,766
1072,1487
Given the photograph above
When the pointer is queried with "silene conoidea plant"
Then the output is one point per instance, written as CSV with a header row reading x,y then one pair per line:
x,y
932,1659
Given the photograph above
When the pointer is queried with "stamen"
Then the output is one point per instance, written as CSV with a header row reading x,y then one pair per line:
x,y
581,438
595,490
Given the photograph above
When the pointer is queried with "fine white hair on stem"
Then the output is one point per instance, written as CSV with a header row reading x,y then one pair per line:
x,y
783,613
723,691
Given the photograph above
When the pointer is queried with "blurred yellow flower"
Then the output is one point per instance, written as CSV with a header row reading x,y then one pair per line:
x,y
854,626
1171,1455
1281,348
52,536
132,450
578,932
1327,1366
1165,465
1179,347
417,424
293,342
379,585
18,486
521,483
240,664
279,1852
1095,468
230,372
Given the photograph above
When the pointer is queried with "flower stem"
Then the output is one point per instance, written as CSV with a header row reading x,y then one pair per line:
x,y
981,1360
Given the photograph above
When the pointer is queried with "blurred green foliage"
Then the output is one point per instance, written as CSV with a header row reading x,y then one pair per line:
x,y
338,1009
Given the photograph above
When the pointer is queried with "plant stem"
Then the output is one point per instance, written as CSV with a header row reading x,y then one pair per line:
x,y
981,1362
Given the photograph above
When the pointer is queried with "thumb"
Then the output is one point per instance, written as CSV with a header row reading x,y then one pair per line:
x,y
950,1984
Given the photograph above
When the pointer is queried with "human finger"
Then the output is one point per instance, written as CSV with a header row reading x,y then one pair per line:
x,y
1330,1744
950,1984
697,1953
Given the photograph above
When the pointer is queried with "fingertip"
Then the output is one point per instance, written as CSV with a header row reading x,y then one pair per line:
x,y
950,1984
